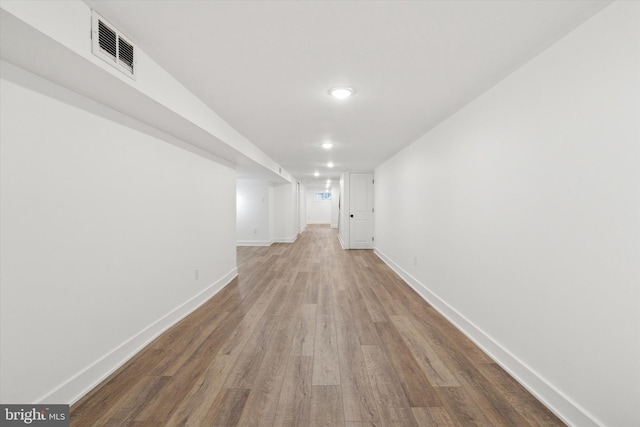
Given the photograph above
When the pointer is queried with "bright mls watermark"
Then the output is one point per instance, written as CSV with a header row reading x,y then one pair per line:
x,y
34,415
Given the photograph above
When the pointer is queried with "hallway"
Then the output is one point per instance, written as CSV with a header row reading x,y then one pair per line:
x,y
309,334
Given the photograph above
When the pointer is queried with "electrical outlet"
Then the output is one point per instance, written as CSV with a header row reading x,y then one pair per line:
x,y
415,260
197,274
255,231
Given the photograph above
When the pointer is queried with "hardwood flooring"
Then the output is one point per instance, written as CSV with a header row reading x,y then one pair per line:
x,y
312,335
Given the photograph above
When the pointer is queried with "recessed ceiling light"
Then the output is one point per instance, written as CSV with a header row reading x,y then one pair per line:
x,y
341,92
327,145
330,164
316,173
328,181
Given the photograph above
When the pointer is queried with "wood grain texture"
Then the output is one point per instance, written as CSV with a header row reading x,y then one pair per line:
x,y
357,393
393,406
309,334
326,406
326,370
424,354
194,408
304,338
295,398
436,417
413,379
227,408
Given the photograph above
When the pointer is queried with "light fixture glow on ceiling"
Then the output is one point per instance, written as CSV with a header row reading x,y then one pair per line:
x,y
316,173
341,92
330,164
327,145
328,181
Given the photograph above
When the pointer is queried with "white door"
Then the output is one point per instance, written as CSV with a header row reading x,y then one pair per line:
x,y
361,211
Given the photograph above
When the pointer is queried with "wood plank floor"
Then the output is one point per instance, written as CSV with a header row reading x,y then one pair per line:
x,y
312,335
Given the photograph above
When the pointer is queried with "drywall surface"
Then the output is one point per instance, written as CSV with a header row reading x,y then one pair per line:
x,y
108,236
285,211
318,211
302,208
58,34
518,217
252,213
335,205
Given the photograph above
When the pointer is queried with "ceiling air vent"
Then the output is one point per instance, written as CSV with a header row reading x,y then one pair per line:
x,y
112,46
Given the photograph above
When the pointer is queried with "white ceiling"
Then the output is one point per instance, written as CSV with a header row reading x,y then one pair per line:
x,y
265,66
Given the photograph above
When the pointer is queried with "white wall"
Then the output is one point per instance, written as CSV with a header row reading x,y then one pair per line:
x,y
285,228
324,211
318,211
343,216
302,208
252,213
103,227
272,214
523,212
61,32
335,198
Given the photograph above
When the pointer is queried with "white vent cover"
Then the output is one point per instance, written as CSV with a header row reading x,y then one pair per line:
x,y
112,46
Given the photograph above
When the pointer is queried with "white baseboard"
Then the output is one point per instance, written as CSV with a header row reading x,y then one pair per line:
x,y
84,381
560,404
285,239
342,242
267,242
254,242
